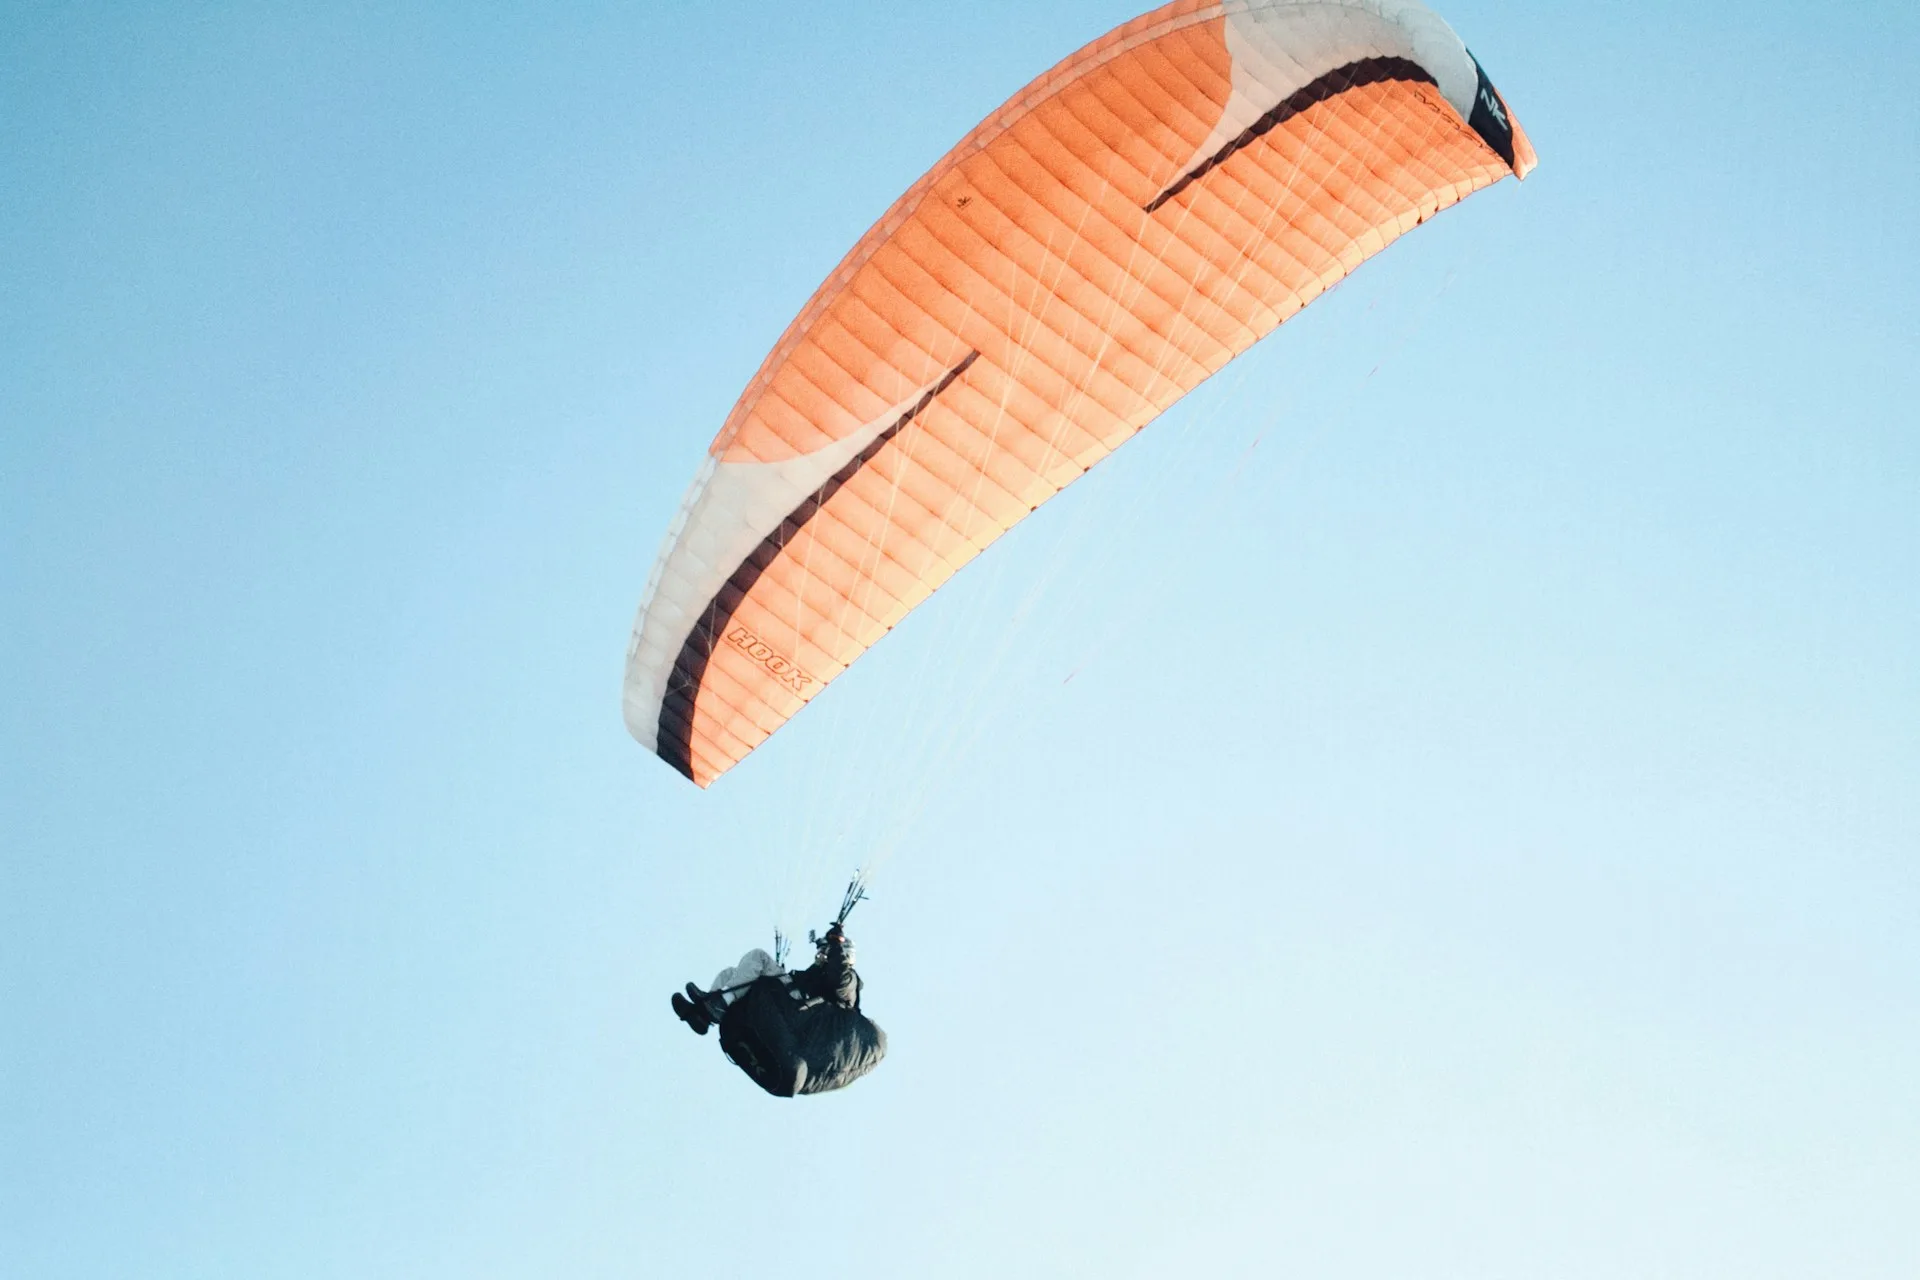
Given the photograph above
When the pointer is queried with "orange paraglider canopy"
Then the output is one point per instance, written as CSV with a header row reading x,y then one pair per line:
x,y
1116,233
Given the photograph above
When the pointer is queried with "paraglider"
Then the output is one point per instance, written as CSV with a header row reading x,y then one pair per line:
x,y
1108,239
1115,234
792,1033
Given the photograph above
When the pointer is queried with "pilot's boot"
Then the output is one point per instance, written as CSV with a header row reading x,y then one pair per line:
x,y
693,1013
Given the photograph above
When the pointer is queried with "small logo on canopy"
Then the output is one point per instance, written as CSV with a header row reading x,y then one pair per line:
x,y
782,668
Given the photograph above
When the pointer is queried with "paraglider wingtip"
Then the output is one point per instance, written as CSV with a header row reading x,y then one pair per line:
x,y
1525,159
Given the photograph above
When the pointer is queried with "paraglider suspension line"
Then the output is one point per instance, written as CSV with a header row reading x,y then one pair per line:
x,y
855,895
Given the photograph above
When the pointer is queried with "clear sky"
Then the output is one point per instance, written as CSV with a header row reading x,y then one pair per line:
x,y
1443,803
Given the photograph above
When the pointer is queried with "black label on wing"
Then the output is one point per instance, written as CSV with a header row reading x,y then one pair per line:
x,y
1489,118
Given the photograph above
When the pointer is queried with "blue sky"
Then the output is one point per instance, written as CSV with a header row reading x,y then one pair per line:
x,y
1441,802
